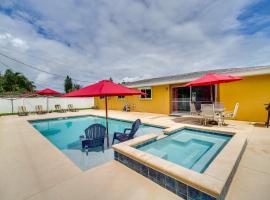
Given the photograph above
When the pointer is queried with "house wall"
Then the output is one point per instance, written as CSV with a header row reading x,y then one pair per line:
x,y
251,93
158,104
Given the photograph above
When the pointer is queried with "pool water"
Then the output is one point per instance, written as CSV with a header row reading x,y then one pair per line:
x,y
190,148
64,133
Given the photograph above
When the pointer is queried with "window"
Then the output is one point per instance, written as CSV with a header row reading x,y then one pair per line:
x,y
103,97
148,92
121,97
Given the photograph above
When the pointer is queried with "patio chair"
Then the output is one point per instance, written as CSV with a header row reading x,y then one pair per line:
x,y
126,107
219,111
58,108
94,137
71,108
39,110
219,106
128,132
22,111
230,114
208,112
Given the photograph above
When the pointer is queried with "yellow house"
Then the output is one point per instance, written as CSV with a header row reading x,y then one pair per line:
x,y
167,95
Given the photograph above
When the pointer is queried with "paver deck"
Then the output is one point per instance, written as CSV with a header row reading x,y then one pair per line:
x,y
32,168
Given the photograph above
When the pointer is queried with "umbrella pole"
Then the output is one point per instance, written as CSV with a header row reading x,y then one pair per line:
x,y
12,105
211,94
47,104
107,127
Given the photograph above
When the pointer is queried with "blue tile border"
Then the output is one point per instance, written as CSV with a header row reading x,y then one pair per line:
x,y
181,189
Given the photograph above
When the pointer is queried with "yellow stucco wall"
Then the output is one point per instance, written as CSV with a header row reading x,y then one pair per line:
x,y
251,93
158,104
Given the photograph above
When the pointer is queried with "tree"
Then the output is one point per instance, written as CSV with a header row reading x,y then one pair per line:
x,y
15,82
1,84
76,86
68,84
9,82
23,83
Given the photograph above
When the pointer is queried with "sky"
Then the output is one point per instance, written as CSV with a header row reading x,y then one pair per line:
x,y
130,39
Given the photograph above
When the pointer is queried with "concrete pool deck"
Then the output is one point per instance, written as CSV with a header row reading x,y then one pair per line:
x,y
32,168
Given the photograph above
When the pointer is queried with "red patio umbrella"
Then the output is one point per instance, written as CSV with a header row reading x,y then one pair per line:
x,y
48,92
104,88
212,78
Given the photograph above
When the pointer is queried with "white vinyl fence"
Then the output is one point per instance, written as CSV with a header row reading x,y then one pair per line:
x,y
30,103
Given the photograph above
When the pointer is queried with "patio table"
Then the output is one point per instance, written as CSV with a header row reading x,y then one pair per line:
x,y
219,112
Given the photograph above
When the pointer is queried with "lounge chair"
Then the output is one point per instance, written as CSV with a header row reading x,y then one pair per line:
x,y
94,137
230,114
39,110
59,109
128,132
208,112
22,111
71,108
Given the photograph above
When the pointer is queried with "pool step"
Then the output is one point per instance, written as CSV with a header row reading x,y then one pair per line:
x,y
193,155
181,139
157,153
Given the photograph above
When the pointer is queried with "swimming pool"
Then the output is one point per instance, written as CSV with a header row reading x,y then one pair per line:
x,y
190,148
190,161
64,133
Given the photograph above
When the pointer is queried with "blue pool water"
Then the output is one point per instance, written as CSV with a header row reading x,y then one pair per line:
x,y
64,134
190,148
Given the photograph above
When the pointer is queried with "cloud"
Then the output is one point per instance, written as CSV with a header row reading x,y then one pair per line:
x,y
128,39
8,39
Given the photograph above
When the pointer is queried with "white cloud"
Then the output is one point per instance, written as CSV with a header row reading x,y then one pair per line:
x,y
93,40
8,39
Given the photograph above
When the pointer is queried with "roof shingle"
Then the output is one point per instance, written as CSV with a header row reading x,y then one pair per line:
x,y
186,77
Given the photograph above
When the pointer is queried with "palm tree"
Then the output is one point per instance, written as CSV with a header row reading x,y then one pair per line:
x,y
16,82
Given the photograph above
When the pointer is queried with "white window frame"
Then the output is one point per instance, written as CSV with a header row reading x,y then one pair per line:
x,y
146,88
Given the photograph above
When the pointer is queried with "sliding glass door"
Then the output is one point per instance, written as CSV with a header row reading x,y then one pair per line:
x,y
183,96
180,99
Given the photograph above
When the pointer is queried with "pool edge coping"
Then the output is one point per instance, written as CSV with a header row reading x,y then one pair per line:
x,y
212,181
173,128
100,116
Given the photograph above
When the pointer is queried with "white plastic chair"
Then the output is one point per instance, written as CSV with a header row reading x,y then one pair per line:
x,y
219,112
231,114
219,106
208,112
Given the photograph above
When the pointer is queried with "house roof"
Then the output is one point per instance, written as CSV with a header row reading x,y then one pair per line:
x,y
187,77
